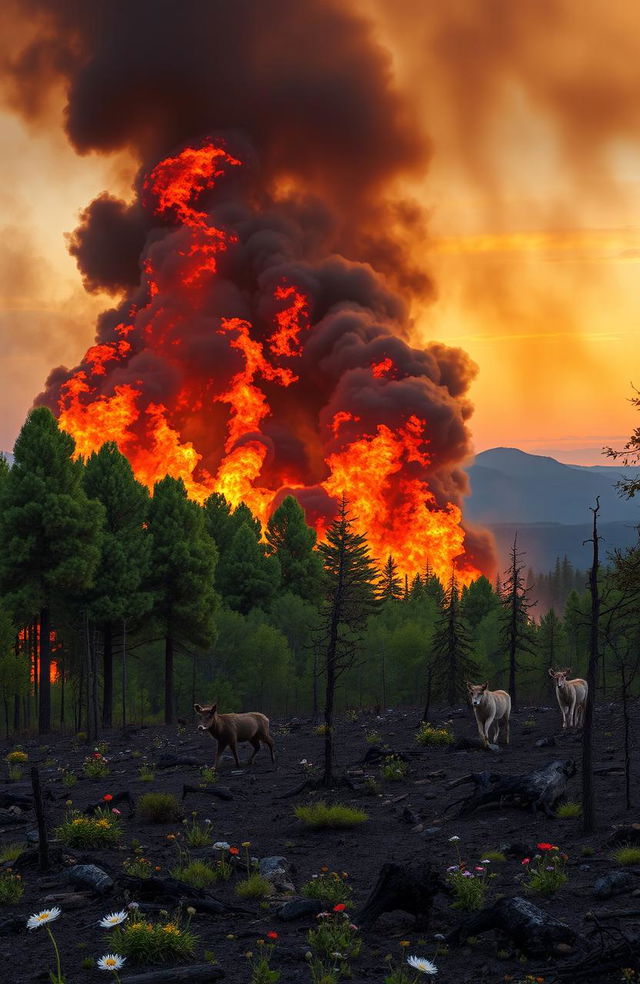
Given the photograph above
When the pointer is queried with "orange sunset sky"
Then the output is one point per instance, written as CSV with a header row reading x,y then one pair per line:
x,y
532,108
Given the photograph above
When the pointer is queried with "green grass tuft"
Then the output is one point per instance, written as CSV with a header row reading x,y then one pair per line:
x,y
568,811
254,887
101,830
198,874
11,888
428,735
153,942
320,814
627,855
158,807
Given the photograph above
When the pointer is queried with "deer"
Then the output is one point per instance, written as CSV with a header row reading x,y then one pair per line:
x,y
491,708
572,697
229,729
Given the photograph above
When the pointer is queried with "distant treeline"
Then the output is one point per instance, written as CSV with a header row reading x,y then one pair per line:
x,y
117,605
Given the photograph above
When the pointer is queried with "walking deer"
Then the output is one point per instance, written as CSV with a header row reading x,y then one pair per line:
x,y
491,708
572,697
229,729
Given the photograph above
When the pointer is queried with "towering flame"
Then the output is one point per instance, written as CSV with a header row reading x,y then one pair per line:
x,y
245,367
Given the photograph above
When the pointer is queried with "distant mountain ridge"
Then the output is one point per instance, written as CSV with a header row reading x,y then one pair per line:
x,y
548,504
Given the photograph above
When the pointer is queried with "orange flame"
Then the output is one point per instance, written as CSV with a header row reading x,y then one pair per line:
x,y
381,473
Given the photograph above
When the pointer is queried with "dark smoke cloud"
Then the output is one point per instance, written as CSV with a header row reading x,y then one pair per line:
x,y
306,83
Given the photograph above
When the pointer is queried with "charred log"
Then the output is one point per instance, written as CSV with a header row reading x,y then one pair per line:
x,y
614,951
529,928
168,761
399,887
170,891
539,790
376,753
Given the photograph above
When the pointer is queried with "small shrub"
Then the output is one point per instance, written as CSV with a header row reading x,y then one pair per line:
x,y
394,768
627,855
529,723
427,734
321,974
587,851
568,811
15,773
17,756
261,971
546,873
399,973
196,834
95,766
153,942
373,737
254,887
328,888
320,730
138,867
320,814
371,786
158,807
11,888
9,852
335,934
101,830
69,779
469,887
146,773
81,736
208,775
198,874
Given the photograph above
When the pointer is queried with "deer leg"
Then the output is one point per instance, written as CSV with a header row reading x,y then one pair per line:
x,y
487,728
221,747
256,748
506,726
233,745
269,741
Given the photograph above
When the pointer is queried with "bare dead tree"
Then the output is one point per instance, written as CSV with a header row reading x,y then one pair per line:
x,y
588,797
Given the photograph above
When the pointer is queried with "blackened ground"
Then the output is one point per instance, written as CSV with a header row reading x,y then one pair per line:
x,y
256,814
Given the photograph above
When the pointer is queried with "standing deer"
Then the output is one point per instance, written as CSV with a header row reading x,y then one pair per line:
x,y
229,729
490,707
572,697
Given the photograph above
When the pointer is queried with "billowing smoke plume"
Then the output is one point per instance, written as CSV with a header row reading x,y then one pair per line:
x,y
261,346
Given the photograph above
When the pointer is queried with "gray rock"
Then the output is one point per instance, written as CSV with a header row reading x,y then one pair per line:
x,y
430,831
298,908
615,883
277,870
545,742
90,876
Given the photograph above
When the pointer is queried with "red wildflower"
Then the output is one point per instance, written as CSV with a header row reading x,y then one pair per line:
x,y
526,860
340,907
545,847
272,935
107,797
234,850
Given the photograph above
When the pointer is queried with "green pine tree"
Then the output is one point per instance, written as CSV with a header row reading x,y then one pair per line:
x,y
390,581
120,592
50,533
451,648
183,560
248,578
293,542
350,597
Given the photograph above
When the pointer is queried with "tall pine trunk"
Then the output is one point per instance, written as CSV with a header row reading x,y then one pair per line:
x,y
44,708
588,796
332,652
107,674
168,680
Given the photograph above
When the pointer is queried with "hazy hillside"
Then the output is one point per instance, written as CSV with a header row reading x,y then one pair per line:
x,y
548,504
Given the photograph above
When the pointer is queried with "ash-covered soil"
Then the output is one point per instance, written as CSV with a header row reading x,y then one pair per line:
x,y
256,814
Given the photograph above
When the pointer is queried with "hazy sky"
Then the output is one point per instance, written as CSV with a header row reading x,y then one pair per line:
x,y
533,193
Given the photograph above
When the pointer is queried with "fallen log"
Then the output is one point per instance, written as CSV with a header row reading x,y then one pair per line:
x,y
410,890
531,929
220,792
612,914
538,790
615,951
114,801
377,753
198,974
170,890
168,761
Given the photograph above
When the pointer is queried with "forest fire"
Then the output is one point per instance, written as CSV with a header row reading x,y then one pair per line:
x,y
256,379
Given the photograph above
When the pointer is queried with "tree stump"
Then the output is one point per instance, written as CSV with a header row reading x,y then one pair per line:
x,y
399,887
539,790
531,929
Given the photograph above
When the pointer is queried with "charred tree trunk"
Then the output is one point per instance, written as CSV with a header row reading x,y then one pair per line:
x,y
107,675
92,694
588,795
327,778
44,708
399,887
168,680
539,790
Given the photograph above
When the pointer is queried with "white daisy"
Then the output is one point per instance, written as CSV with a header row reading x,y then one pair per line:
x,y
423,965
113,919
221,846
41,918
453,839
111,961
